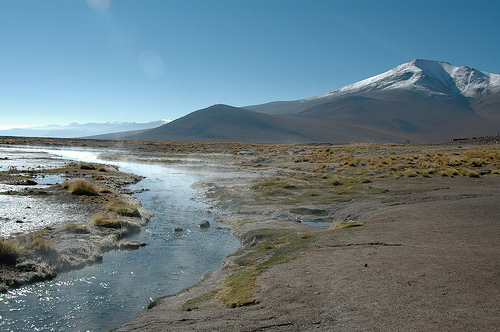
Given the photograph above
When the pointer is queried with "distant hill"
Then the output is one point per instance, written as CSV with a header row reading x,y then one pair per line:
x,y
75,129
420,101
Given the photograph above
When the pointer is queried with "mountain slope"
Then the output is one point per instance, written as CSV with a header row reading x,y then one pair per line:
x,y
420,101
223,123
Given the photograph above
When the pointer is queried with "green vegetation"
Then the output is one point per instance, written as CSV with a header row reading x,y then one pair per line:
x,y
275,246
312,188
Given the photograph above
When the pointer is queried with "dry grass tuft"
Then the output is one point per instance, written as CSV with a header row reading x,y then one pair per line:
x,y
107,221
8,252
123,208
74,228
81,187
42,244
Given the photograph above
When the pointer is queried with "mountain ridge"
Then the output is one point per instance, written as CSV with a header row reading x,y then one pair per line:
x,y
427,76
422,101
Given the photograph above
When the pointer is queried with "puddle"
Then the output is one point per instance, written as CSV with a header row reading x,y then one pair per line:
x,y
317,223
49,179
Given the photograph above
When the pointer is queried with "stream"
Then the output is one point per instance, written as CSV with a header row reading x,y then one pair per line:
x,y
104,296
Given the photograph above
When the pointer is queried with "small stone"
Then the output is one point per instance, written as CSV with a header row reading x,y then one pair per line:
x,y
204,224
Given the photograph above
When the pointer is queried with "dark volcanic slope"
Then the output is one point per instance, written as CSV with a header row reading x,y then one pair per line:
x,y
222,123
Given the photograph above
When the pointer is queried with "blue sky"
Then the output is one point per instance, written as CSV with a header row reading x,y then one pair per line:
x,y
65,61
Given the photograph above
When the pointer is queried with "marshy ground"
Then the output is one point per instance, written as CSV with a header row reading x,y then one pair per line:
x,y
410,238
89,211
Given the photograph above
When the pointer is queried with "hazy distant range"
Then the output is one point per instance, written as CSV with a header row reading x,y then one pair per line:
x,y
75,130
418,101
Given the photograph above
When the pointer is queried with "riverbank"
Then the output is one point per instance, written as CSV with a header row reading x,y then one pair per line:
x,y
410,242
426,261
60,216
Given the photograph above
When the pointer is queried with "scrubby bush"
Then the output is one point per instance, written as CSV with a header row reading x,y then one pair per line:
x,y
469,173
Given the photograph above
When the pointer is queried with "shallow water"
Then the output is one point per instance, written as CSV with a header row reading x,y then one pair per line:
x,y
107,295
316,223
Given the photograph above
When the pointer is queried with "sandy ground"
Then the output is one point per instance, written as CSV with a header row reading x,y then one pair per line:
x,y
428,261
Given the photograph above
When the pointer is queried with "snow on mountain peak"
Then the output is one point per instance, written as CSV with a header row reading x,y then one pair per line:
x,y
426,76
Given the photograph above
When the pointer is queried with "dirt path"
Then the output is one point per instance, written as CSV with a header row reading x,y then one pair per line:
x,y
428,261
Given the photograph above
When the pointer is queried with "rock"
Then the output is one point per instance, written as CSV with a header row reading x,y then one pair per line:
x,y
204,224
133,245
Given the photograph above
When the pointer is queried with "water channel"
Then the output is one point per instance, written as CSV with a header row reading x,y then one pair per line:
x,y
105,296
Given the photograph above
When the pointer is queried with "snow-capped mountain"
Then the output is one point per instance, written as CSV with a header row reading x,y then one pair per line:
x,y
427,77
417,101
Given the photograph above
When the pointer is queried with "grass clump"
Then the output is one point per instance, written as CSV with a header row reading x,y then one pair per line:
x,y
123,208
74,228
106,221
81,187
42,244
8,252
470,173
